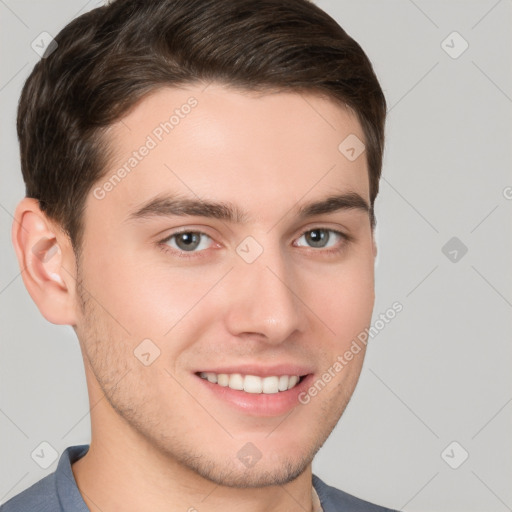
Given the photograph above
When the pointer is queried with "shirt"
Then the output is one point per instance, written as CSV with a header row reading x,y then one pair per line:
x,y
58,492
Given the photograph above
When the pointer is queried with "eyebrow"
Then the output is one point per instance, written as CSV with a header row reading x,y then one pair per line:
x,y
169,205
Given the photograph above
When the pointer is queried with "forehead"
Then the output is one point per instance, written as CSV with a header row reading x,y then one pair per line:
x,y
265,151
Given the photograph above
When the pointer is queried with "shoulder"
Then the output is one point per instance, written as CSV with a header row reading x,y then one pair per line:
x,y
55,492
334,500
40,497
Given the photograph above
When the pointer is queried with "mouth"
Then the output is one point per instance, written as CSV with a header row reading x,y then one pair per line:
x,y
272,394
254,384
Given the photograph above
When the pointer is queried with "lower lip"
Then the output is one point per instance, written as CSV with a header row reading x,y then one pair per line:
x,y
259,404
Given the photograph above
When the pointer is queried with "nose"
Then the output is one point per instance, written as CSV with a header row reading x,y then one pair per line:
x,y
265,299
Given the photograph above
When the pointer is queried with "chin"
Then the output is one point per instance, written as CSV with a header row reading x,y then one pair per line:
x,y
262,474
251,465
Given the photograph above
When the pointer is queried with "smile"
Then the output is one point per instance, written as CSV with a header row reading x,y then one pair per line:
x,y
252,383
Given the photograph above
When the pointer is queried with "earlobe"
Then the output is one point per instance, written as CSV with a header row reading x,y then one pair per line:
x,y
44,256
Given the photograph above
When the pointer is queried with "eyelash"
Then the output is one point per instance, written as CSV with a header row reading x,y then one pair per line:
x,y
162,244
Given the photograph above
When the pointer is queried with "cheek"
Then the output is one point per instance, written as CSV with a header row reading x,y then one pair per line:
x,y
151,298
143,299
344,298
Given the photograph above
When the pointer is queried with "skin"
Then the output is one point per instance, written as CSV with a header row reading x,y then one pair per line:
x,y
159,442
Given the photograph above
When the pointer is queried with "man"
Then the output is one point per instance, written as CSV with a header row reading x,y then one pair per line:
x,y
200,181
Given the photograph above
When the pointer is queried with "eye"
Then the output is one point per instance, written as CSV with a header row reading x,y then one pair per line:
x,y
188,244
187,241
321,238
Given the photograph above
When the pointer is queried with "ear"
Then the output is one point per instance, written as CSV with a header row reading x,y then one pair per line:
x,y
47,262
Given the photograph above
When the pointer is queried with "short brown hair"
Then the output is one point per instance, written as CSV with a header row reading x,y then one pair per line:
x,y
109,58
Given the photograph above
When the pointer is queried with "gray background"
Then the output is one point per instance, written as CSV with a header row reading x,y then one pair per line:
x,y
440,371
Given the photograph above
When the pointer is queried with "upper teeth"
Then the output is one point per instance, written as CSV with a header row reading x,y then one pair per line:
x,y
252,383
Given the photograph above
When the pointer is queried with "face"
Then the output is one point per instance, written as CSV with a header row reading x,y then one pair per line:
x,y
205,269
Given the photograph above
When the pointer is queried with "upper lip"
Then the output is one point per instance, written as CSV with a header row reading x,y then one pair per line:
x,y
262,371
